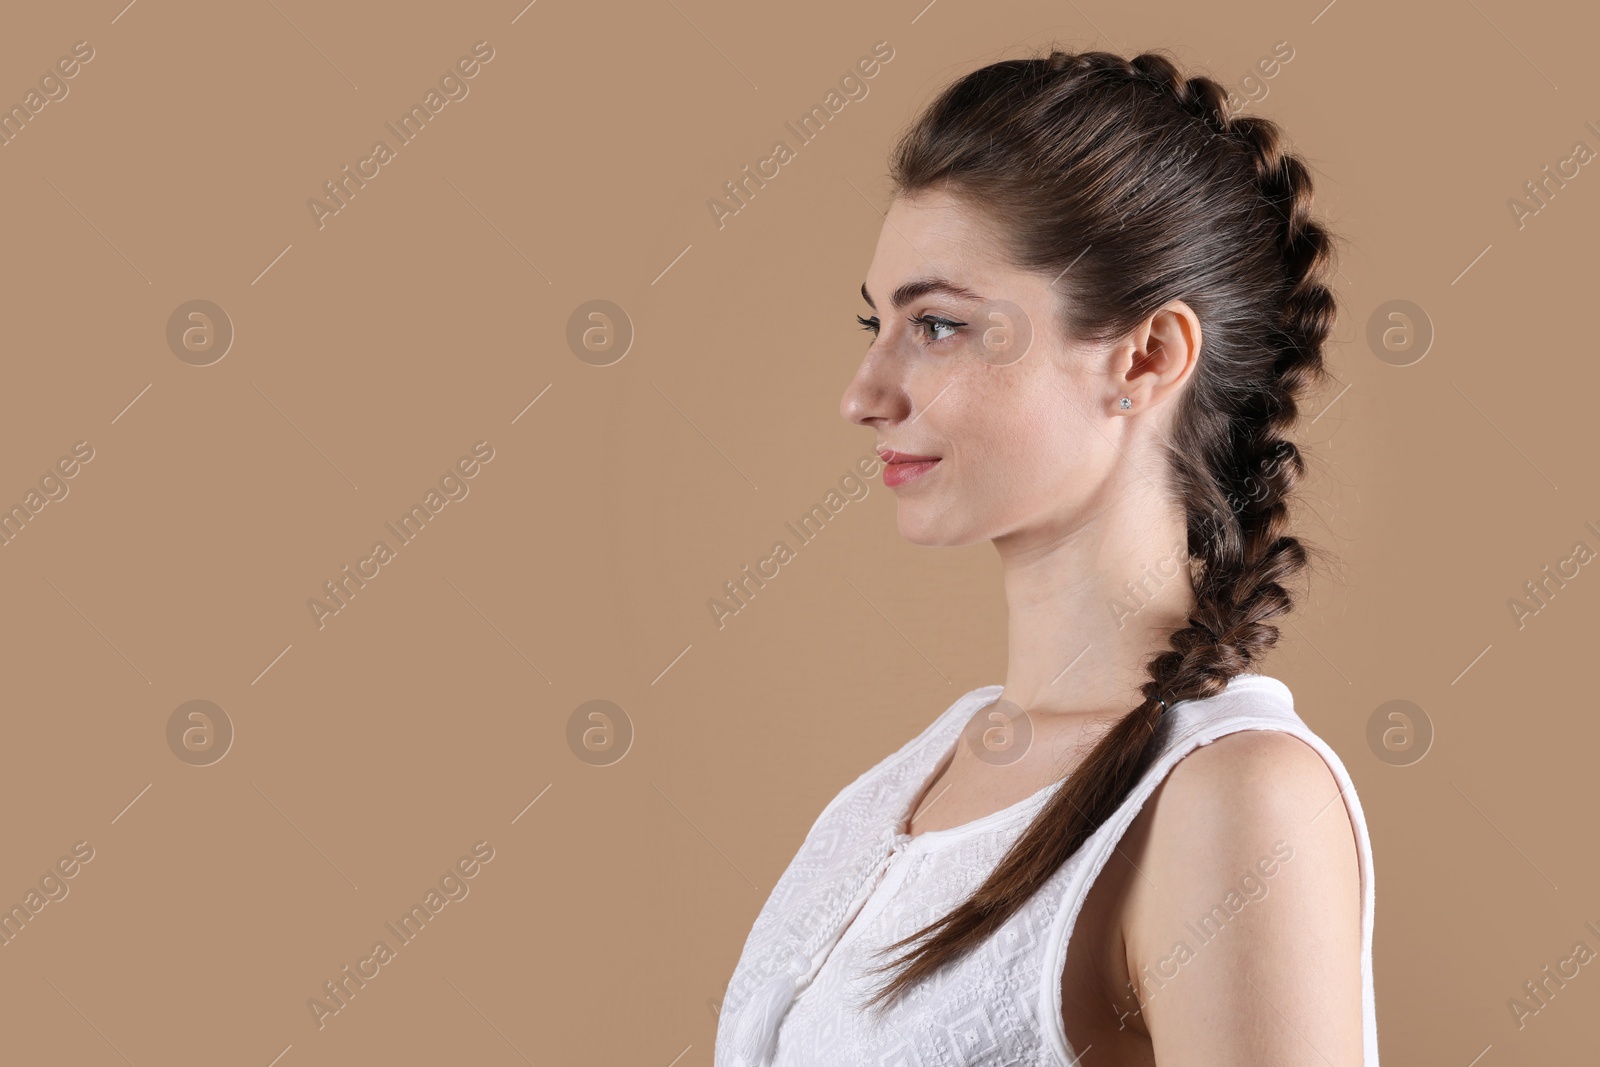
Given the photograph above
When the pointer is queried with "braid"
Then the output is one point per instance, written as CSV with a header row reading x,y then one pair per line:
x,y
1237,529
1129,166
1241,587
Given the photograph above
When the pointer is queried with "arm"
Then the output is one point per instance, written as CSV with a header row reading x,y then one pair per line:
x,y
1244,935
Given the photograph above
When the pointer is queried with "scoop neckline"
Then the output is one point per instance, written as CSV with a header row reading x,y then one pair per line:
x,y
990,821
902,840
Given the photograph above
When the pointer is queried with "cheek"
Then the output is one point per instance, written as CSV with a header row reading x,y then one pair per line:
x,y
1014,425
1005,438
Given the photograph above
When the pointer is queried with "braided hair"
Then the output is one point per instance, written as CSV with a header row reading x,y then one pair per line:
x,y
1141,182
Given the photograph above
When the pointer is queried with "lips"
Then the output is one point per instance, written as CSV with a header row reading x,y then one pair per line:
x,y
901,468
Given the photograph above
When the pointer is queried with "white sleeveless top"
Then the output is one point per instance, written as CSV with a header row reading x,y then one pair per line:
x,y
859,883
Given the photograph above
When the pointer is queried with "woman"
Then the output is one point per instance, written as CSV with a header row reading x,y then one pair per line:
x,y
1097,303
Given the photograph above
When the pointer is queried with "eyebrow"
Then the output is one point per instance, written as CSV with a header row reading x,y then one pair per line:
x,y
911,290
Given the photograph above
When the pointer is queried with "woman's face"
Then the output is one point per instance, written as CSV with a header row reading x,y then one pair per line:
x,y
1019,417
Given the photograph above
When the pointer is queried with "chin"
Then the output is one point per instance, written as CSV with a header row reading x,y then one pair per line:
x,y
931,531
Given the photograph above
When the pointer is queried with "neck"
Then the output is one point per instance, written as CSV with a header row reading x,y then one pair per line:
x,y
1086,609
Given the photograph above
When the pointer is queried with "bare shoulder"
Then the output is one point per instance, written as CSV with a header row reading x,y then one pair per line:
x,y
1232,805
1263,776
1249,908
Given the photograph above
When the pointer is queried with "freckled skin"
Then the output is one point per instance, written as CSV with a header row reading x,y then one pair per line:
x,y
1005,444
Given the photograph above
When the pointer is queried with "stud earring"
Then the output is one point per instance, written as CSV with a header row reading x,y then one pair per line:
x,y
1126,403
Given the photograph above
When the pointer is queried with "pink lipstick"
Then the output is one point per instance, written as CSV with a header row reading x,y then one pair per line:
x,y
901,467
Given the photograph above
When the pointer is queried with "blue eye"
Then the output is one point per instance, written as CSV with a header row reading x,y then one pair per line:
x,y
928,322
936,323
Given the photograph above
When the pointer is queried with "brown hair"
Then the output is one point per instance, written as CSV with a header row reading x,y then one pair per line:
x,y
1136,184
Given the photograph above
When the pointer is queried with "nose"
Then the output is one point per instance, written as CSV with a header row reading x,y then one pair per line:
x,y
874,392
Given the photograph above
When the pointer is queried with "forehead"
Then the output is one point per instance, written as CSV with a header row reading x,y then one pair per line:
x,y
935,235
934,229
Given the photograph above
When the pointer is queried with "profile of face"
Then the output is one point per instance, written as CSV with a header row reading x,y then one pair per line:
x,y
968,363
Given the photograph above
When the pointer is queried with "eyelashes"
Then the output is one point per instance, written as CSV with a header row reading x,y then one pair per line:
x,y
927,322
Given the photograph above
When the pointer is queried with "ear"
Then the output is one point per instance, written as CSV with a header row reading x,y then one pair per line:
x,y
1156,359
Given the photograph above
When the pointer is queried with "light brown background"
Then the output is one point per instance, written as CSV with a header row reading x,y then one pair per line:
x,y
428,314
